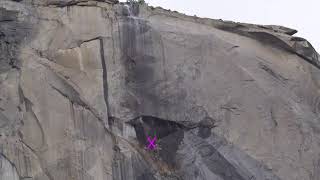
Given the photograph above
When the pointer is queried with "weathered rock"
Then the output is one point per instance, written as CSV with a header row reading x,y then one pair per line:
x,y
83,84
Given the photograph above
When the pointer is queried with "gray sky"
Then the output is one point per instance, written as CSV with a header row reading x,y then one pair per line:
x,y
302,15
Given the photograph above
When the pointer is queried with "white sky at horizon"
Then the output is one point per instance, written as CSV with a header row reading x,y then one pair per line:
x,y
296,14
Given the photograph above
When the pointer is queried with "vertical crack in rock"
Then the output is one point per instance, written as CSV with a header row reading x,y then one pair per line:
x,y
117,165
105,76
273,118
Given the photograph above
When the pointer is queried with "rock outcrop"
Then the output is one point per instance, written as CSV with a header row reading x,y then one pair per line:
x,y
84,83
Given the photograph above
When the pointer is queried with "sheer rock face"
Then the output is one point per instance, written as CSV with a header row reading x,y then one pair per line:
x,y
84,83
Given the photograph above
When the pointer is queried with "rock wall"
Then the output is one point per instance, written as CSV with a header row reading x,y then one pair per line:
x,y
84,83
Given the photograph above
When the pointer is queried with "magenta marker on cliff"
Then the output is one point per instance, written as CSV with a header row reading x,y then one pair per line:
x,y
152,143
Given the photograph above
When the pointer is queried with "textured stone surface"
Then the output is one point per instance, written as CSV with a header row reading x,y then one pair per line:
x,y
84,83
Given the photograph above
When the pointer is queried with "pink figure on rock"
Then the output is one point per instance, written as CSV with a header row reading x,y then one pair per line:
x,y
152,143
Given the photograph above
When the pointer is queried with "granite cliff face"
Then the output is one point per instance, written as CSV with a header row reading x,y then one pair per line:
x,y
84,83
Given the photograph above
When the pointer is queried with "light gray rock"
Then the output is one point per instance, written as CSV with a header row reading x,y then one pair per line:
x,y
8,169
84,83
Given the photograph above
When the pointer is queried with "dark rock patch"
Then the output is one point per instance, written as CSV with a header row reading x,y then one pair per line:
x,y
169,135
169,146
204,132
218,164
12,33
150,126
205,126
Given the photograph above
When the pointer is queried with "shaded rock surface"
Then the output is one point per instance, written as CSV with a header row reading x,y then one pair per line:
x,y
84,83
